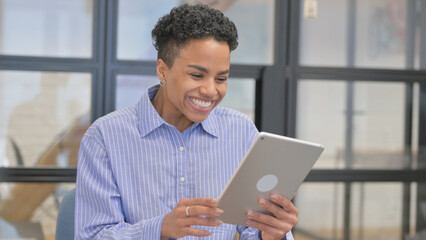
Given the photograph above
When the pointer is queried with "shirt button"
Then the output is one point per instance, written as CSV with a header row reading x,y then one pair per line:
x,y
181,149
182,179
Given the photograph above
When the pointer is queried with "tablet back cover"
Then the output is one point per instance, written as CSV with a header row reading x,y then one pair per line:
x,y
273,164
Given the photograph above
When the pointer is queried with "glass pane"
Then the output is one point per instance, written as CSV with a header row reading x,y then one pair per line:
x,y
379,34
53,28
415,127
320,211
378,119
417,212
130,89
323,39
29,210
240,95
43,116
321,118
255,23
376,211
137,19
378,130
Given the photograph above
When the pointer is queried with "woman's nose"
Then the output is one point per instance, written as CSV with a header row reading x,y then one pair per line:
x,y
209,88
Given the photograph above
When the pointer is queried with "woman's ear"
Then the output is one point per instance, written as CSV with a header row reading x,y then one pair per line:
x,y
162,69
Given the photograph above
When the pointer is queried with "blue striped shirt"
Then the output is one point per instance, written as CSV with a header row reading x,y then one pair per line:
x,y
134,167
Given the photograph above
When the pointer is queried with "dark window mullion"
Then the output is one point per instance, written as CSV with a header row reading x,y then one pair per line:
x,y
408,126
149,68
110,59
350,96
274,89
421,187
98,52
26,63
293,45
37,174
360,74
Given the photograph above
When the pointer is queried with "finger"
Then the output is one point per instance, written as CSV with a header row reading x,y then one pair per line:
x,y
265,219
209,202
276,233
197,210
191,221
276,210
285,203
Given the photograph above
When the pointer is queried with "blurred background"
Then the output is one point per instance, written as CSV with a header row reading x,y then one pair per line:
x,y
349,74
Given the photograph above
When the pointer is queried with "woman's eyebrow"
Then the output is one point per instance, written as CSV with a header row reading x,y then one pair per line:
x,y
203,69
224,72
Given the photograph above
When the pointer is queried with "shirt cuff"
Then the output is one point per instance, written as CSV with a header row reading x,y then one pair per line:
x,y
152,228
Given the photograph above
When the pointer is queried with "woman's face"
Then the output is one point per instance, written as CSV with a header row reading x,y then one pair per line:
x,y
197,81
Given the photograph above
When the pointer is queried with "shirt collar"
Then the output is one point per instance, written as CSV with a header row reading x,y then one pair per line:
x,y
210,124
149,119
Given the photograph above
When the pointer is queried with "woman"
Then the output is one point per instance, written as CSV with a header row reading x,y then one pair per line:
x,y
153,170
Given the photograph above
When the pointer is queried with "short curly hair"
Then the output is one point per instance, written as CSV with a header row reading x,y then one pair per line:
x,y
188,22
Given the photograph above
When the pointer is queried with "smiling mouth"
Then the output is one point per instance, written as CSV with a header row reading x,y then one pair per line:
x,y
200,103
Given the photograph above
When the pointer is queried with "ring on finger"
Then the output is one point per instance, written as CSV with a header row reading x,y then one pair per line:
x,y
187,211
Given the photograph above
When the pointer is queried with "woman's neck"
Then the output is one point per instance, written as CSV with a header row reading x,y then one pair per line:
x,y
169,112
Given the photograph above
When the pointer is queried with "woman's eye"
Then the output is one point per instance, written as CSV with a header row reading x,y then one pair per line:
x,y
222,79
195,75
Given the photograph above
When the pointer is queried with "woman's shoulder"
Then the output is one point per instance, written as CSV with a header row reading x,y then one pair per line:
x,y
235,124
227,117
121,117
224,112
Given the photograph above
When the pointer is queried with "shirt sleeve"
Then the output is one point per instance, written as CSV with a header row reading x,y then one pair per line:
x,y
99,213
248,233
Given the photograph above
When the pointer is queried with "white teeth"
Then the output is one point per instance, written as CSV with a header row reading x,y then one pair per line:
x,y
201,104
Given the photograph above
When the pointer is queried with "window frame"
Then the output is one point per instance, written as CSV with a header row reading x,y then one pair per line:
x,y
276,81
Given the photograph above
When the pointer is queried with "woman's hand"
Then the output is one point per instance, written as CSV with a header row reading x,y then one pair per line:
x,y
283,219
188,212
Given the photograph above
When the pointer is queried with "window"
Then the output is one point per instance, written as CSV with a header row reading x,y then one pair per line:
x,y
351,78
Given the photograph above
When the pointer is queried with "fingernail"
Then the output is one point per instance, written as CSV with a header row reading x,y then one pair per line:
x,y
206,233
250,214
274,197
218,222
218,211
262,202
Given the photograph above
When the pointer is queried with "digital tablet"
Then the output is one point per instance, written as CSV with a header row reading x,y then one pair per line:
x,y
273,164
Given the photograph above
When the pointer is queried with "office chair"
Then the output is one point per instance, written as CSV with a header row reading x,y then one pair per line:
x,y
65,221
